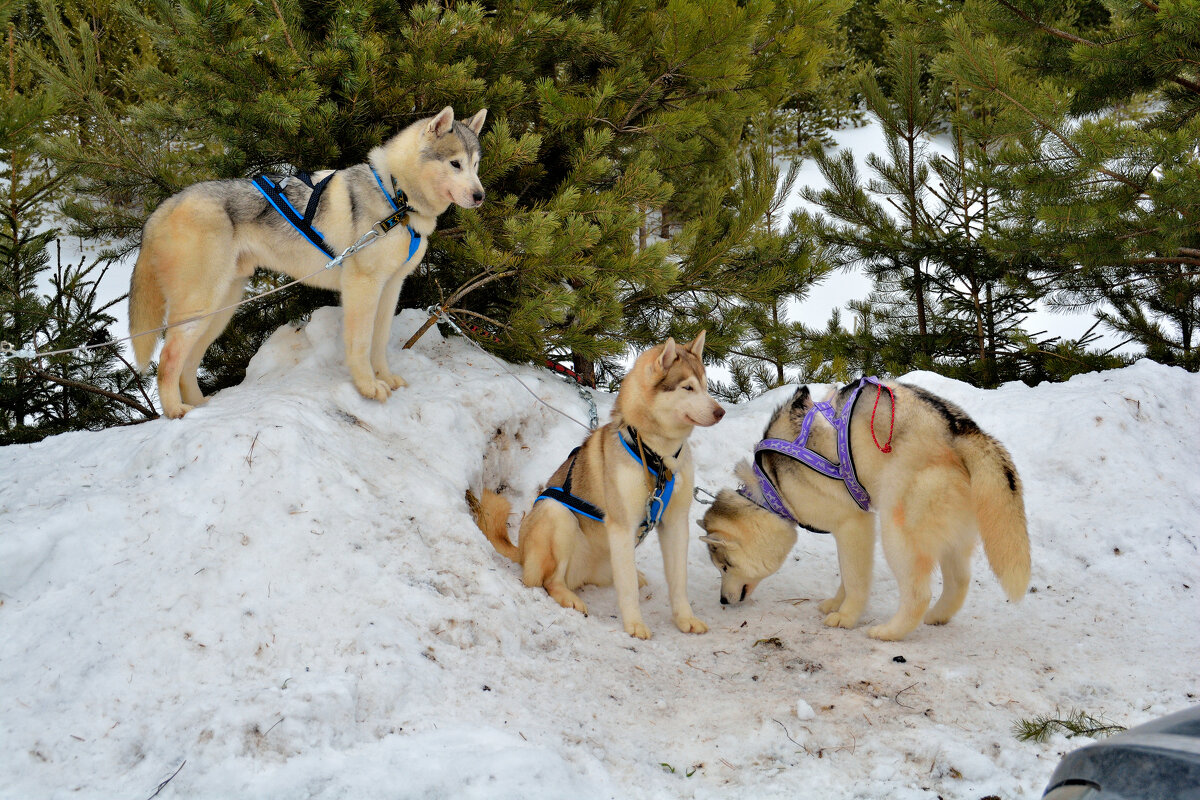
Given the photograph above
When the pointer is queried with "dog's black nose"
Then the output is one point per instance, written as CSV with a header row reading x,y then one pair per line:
x,y
724,600
478,197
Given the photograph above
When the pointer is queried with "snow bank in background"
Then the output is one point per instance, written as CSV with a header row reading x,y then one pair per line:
x,y
284,593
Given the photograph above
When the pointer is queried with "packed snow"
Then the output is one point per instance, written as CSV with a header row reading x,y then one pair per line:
x,y
283,595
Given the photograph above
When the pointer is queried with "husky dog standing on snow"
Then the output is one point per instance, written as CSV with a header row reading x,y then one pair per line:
x,y
905,457
627,476
201,245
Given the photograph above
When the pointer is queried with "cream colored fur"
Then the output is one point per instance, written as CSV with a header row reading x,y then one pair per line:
x,y
664,396
944,484
196,257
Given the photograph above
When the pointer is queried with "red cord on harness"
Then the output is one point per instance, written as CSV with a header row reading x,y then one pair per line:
x,y
886,448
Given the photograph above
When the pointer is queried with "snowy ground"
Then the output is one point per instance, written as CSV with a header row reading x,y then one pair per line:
x,y
284,594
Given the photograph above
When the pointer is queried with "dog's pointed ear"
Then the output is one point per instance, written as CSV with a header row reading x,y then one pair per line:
x,y
716,541
443,122
696,346
476,123
668,355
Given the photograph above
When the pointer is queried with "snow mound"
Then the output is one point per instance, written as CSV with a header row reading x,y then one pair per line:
x,y
285,594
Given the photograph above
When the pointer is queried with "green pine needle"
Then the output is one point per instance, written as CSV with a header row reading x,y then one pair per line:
x,y
1077,723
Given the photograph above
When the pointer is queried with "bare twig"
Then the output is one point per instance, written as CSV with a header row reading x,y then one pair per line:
x,y
87,387
162,785
785,733
465,289
896,696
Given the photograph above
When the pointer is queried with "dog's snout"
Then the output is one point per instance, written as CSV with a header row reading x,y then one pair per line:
x,y
478,197
718,412
724,600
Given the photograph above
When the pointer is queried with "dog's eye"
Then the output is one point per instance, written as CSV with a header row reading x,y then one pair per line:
x,y
687,387
456,164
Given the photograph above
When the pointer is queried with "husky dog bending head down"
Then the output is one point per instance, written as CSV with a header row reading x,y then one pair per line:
x,y
201,245
943,480
637,469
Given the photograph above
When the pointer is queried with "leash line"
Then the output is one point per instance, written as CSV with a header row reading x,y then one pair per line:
x,y
8,351
575,379
445,316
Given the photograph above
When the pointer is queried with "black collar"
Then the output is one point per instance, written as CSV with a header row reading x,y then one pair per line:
x,y
653,461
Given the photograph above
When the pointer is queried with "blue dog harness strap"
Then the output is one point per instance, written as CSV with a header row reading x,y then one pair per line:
x,y
562,494
799,451
400,210
656,503
273,192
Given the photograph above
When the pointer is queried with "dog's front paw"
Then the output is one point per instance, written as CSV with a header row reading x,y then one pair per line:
x,y
832,604
637,629
690,625
839,620
373,389
177,411
392,380
886,633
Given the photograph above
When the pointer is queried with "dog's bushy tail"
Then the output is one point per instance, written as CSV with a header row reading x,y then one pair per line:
x,y
999,510
491,515
147,307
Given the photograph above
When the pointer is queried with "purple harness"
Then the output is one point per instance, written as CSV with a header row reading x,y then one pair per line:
x,y
798,450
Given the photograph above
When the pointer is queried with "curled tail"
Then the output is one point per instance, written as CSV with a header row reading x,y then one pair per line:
x,y
491,515
147,307
999,509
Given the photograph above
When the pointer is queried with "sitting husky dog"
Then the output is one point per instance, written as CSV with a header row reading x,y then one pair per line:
x,y
627,476
201,245
925,469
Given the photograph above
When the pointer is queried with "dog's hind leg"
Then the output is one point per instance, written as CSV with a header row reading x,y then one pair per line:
x,y
547,543
907,530
192,250
188,386
956,579
856,560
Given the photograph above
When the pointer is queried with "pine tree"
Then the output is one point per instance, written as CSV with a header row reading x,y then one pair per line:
x,y
948,268
602,115
59,311
1110,175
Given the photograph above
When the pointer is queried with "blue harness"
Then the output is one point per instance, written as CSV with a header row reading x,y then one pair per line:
x,y
656,503
303,223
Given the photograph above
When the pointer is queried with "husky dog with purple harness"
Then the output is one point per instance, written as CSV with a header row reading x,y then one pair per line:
x,y
874,454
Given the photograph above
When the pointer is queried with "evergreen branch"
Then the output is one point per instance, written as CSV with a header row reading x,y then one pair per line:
x,y
1070,37
1066,142
134,370
1191,86
286,35
1077,723
87,387
1195,262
